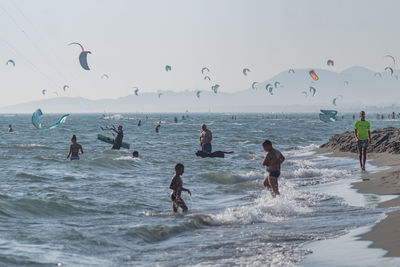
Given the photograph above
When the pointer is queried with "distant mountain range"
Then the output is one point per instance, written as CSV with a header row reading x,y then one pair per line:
x,y
354,88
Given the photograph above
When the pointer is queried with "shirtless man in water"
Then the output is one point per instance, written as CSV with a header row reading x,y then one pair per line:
x,y
205,139
272,162
75,149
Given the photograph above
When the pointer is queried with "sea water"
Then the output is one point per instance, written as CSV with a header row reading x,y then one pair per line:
x,y
109,209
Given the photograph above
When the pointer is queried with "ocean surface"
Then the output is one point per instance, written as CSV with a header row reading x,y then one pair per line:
x,y
109,209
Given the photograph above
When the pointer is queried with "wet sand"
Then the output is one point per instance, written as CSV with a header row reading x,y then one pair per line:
x,y
386,233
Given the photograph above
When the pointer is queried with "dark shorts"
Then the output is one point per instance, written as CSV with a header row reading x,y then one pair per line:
x,y
362,144
74,157
275,174
177,201
207,148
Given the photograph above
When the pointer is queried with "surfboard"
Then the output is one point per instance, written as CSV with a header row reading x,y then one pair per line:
x,y
109,140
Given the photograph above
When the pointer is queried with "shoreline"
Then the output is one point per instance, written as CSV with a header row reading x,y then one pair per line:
x,y
385,234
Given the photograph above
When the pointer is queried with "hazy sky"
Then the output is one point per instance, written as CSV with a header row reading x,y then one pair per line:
x,y
132,41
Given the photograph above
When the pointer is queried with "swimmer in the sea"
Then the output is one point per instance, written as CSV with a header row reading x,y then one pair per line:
x,y
177,187
75,149
135,154
10,129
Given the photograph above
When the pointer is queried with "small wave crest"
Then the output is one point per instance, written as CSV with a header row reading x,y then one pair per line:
x,y
232,177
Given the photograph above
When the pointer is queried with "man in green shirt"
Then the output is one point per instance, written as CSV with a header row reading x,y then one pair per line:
x,y
363,136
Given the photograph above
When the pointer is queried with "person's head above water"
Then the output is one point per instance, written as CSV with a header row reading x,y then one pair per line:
x,y
267,145
179,168
9,126
120,127
135,154
73,138
362,115
203,127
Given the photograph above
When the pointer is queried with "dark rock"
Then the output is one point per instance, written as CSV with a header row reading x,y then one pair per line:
x,y
382,140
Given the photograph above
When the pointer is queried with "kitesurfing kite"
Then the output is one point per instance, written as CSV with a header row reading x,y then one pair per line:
x,y
291,71
136,90
207,78
392,58
330,62
168,68
390,69
313,75
38,125
83,57
44,91
105,76
159,95
276,84
254,85
312,90
378,74
10,61
198,94
245,71
335,99
305,93
346,83
203,69
65,87
269,88
215,88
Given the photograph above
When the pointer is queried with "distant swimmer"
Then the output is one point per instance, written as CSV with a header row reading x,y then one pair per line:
x,y
205,139
118,138
75,149
139,123
176,120
135,154
272,162
362,134
157,129
10,129
177,187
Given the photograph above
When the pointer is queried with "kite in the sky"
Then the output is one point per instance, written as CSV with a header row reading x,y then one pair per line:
x,y
276,84
105,76
198,94
378,74
330,62
335,99
245,71
136,90
313,75
291,71
159,95
168,68
10,61
392,58
65,87
305,93
312,90
214,88
390,69
346,83
38,125
203,69
83,57
44,91
254,85
207,78
269,88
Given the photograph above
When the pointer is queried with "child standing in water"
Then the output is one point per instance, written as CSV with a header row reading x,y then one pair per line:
x,y
272,162
75,149
177,187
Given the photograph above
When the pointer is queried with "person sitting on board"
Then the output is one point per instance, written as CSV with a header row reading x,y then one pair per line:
x,y
118,138
75,149
135,154
177,188
205,139
10,129
272,162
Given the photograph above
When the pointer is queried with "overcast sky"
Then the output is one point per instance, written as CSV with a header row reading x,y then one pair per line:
x,y
132,41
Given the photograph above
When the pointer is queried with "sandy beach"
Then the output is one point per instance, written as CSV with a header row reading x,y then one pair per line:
x,y
386,233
